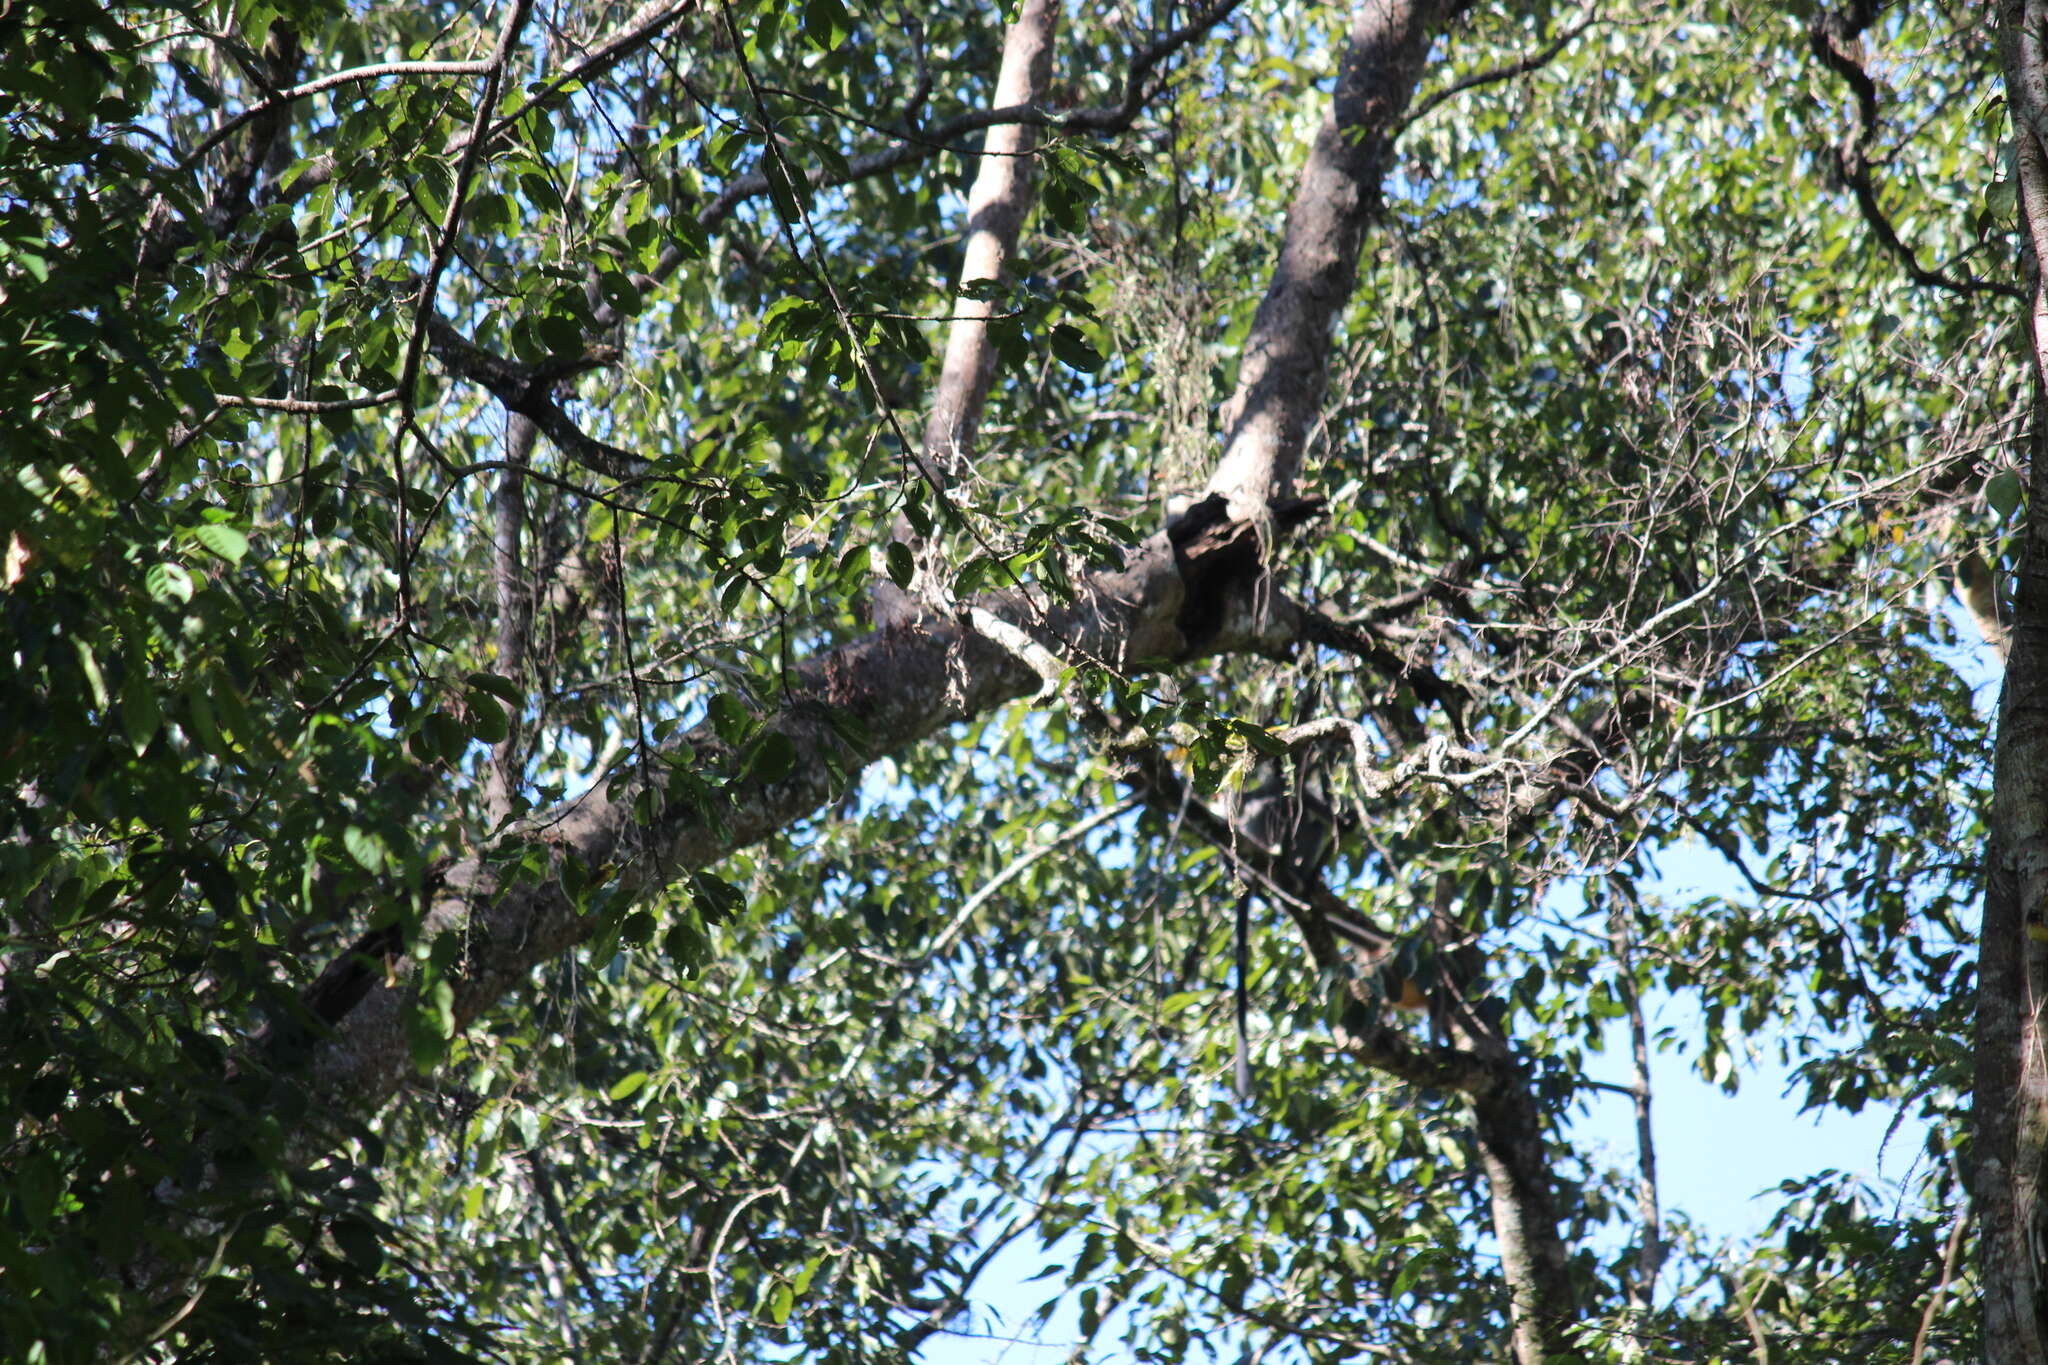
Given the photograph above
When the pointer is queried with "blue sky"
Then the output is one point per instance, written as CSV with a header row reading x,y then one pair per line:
x,y
1720,1157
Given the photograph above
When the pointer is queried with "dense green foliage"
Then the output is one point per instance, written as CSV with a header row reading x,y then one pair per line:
x,y
1635,432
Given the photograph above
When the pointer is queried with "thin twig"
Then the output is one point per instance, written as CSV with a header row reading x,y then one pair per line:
x,y
1019,866
1949,1257
1497,74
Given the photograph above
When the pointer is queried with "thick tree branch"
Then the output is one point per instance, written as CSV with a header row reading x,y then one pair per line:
x,y
840,711
1642,1285
1429,686
1280,378
1477,1061
512,587
996,207
284,99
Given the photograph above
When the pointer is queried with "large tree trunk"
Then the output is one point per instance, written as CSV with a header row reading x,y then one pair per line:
x,y
2012,975
842,710
1509,1126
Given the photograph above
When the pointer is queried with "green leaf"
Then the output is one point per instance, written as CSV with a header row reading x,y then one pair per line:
x,y
2004,492
620,292
717,900
2001,199
1072,349
826,25
445,737
731,718
224,541
366,848
914,511
902,568
438,1005
168,583
359,1242
487,716
199,718
37,1187
502,688
627,1085
973,574
774,757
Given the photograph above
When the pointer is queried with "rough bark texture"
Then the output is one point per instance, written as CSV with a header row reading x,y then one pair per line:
x,y
2012,975
1280,378
1509,1126
514,598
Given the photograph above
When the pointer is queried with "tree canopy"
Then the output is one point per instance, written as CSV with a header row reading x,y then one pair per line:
x,y
675,670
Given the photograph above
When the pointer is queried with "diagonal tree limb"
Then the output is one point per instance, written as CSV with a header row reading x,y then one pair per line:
x,y
996,208
528,391
1281,374
840,711
1836,38
1476,1061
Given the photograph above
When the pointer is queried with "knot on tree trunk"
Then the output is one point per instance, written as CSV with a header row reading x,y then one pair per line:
x,y
1222,560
